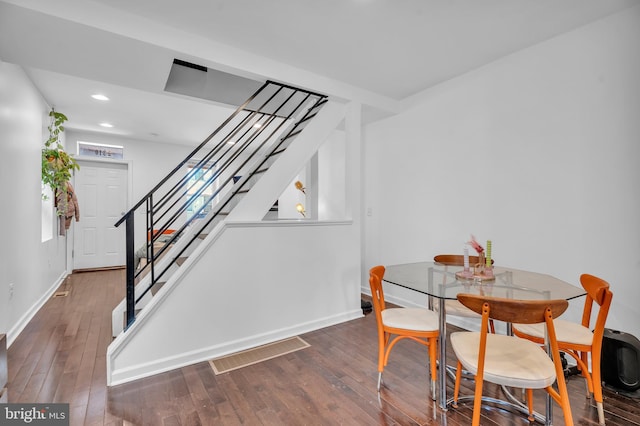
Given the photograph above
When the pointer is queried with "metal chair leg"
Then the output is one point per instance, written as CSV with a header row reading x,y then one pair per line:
x,y
586,384
600,412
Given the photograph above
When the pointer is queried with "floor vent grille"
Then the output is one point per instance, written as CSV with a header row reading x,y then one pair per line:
x,y
258,354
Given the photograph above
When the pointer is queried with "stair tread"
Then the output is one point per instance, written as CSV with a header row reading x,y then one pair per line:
x,y
156,287
292,134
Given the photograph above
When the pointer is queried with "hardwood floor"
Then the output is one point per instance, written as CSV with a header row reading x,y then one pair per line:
x,y
60,357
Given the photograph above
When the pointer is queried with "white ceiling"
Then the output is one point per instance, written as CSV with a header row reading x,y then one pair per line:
x,y
379,52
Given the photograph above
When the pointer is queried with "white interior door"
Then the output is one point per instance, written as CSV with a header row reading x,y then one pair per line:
x,y
101,188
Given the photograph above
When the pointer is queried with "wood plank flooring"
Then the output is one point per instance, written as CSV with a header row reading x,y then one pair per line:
x,y
60,357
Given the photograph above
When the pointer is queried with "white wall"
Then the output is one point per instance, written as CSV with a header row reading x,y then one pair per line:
x,y
256,284
538,152
35,268
324,180
332,178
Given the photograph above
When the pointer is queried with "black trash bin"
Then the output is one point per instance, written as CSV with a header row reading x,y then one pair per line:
x,y
620,360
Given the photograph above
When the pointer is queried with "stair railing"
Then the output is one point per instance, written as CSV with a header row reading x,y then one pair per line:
x,y
234,155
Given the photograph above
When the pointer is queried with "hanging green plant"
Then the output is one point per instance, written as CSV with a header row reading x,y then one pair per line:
x,y
57,164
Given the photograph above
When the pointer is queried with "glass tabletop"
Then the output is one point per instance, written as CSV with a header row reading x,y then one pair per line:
x,y
440,281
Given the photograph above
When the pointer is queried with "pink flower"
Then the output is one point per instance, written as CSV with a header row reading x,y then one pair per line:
x,y
477,247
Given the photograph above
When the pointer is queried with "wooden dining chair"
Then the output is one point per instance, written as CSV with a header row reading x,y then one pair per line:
x,y
578,340
395,324
454,307
509,360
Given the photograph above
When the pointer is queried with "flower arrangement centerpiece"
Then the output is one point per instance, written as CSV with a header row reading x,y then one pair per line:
x,y
483,269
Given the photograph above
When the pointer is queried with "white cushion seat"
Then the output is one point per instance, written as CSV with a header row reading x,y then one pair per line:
x,y
509,361
453,307
416,319
566,331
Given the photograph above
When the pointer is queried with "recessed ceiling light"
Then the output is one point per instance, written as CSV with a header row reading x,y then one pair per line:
x,y
106,124
100,97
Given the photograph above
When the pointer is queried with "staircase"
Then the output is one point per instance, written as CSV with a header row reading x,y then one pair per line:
x,y
216,180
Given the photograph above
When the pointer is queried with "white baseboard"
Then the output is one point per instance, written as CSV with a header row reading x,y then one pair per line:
x,y
124,375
